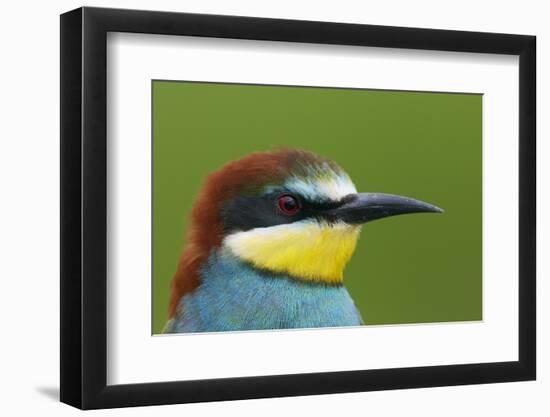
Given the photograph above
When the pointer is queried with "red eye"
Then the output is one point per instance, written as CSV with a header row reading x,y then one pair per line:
x,y
289,205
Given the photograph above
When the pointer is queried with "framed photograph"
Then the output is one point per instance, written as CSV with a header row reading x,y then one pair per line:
x,y
256,207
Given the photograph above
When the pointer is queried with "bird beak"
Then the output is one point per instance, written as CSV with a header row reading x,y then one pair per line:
x,y
365,207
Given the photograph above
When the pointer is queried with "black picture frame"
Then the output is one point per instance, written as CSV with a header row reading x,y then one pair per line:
x,y
84,207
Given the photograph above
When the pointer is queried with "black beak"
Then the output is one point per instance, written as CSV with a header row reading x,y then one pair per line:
x,y
365,207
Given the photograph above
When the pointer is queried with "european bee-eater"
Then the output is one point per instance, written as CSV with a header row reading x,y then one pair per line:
x,y
269,239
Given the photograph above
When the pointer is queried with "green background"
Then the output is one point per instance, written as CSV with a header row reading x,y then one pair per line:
x,y
406,269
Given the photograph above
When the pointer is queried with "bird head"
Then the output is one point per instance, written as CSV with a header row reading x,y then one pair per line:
x,y
287,212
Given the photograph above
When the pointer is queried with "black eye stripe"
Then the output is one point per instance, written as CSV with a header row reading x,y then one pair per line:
x,y
248,212
321,205
307,203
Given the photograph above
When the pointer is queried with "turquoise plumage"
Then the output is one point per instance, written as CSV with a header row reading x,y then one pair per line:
x,y
234,296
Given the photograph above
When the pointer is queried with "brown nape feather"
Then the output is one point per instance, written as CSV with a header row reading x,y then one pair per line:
x,y
206,231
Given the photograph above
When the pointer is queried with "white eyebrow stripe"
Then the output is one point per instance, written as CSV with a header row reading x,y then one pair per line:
x,y
333,187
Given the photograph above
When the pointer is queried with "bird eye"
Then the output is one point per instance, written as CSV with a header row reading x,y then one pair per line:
x,y
289,205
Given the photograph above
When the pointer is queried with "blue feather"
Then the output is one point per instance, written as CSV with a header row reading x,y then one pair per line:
x,y
235,296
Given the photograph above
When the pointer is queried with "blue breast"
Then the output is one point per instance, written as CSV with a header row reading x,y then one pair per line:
x,y
234,296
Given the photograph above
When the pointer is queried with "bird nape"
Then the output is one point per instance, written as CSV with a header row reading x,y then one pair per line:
x,y
270,236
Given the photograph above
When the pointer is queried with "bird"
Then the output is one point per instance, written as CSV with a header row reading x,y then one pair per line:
x,y
269,238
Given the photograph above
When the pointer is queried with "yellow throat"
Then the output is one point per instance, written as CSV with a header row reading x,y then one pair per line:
x,y
308,250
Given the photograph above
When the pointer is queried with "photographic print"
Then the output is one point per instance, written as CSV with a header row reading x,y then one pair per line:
x,y
284,207
288,189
